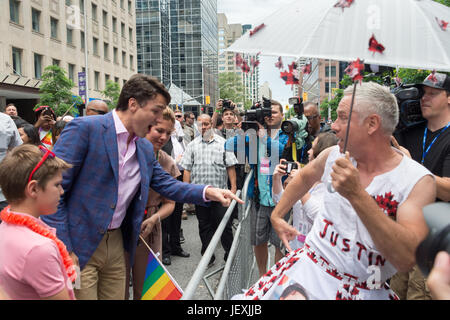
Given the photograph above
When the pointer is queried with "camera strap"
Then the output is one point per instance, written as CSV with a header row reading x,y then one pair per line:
x,y
425,152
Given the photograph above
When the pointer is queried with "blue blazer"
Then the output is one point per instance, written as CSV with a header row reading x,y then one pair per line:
x,y
86,209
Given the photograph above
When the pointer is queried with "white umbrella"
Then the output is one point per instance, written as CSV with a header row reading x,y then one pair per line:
x,y
410,31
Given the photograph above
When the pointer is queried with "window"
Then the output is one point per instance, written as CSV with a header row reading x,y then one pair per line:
x,y
54,28
81,6
96,80
35,20
129,7
106,78
82,39
327,86
333,71
69,36
106,50
68,3
122,5
131,62
105,19
71,72
122,29
130,34
95,45
56,62
14,7
114,24
116,58
124,58
37,66
17,61
94,12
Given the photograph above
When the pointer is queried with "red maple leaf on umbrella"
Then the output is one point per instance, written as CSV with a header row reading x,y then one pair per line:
x,y
290,77
442,24
252,32
239,60
355,70
375,46
279,63
306,69
245,67
344,4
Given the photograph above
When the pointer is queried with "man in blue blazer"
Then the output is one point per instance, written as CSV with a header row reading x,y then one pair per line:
x,y
105,192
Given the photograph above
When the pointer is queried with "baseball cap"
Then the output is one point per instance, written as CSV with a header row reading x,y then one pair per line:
x,y
438,81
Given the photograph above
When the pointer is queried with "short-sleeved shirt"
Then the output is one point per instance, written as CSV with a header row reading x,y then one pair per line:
x,y
437,160
208,161
31,266
9,138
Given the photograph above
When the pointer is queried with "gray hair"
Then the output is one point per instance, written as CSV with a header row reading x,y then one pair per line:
x,y
374,98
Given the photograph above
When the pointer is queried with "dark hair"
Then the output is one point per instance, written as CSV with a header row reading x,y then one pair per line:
x,y
142,88
57,129
19,121
188,115
294,288
324,140
32,133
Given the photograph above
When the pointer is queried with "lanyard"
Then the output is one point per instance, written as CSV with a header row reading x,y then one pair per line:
x,y
425,152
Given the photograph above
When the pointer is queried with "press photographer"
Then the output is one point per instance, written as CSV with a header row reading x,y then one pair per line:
x,y
262,148
229,114
297,128
428,142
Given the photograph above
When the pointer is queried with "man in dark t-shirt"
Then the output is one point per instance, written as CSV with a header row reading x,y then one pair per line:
x,y
429,144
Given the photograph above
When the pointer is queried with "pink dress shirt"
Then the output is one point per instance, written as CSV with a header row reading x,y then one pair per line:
x,y
129,173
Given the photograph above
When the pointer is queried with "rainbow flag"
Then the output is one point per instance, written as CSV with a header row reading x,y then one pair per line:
x,y
158,283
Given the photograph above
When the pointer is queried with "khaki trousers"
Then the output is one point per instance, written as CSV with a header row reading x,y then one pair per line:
x,y
103,277
410,285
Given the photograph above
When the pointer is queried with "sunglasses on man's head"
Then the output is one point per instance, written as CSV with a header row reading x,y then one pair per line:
x,y
100,112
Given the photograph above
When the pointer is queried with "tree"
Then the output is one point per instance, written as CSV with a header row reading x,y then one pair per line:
x,y
111,93
55,91
232,88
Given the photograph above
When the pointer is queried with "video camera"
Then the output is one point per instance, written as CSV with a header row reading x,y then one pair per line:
x,y
438,239
289,166
408,99
295,124
256,115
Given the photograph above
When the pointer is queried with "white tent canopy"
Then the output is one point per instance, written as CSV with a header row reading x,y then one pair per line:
x,y
179,97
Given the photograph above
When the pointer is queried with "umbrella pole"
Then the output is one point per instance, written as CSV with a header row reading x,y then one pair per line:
x,y
349,118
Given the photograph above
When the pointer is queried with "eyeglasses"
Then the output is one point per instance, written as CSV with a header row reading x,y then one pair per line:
x,y
100,112
178,116
312,117
47,153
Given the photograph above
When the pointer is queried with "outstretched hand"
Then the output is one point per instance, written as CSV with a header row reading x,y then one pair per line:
x,y
222,195
285,231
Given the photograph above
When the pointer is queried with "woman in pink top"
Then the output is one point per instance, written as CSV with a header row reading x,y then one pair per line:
x,y
34,263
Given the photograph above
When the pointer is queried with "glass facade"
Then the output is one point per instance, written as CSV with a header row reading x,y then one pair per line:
x,y
177,42
153,39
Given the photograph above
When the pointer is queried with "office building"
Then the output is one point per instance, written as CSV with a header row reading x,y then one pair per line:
x,y
39,33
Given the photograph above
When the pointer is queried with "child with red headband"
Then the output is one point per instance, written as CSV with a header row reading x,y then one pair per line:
x,y
34,263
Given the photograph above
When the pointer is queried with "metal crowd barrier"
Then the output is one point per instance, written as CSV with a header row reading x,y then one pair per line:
x,y
237,272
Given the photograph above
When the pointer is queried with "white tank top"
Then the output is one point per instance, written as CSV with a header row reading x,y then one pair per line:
x,y
339,235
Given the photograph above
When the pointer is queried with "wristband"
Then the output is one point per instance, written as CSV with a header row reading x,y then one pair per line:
x,y
218,111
